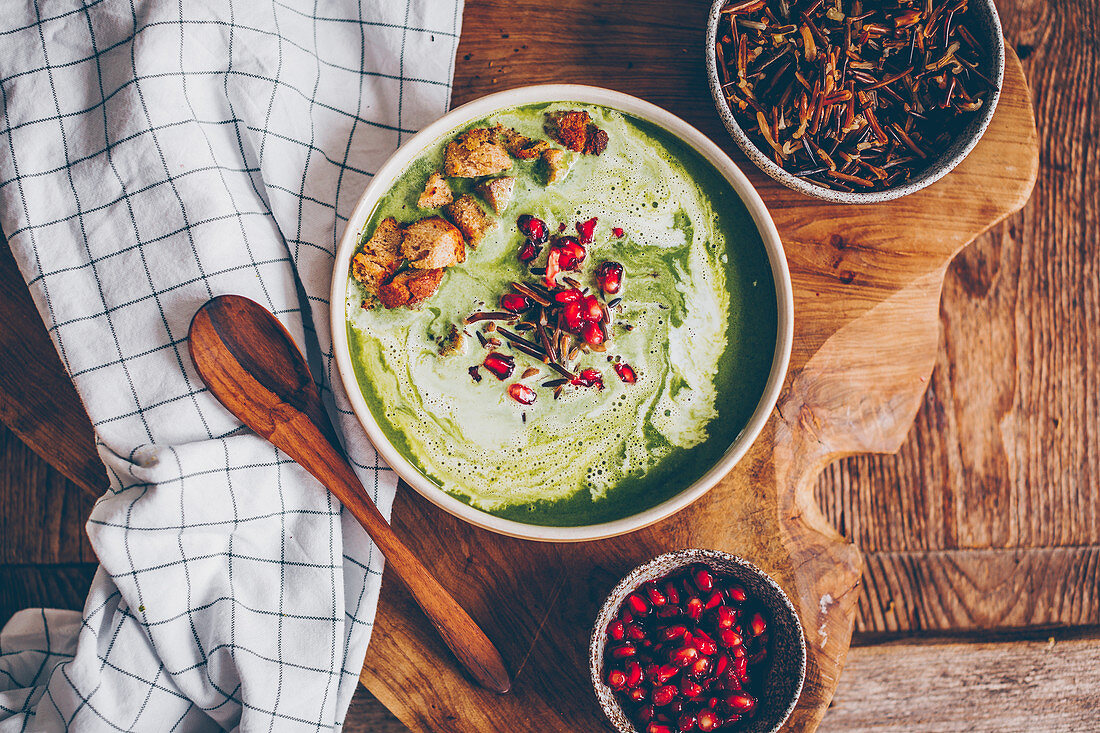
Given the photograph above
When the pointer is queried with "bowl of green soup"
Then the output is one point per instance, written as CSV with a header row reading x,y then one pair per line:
x,y
561,313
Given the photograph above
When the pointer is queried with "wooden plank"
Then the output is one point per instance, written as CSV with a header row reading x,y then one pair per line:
x,y
42,514
959,590
43,586
1004,453
37,399
1047,684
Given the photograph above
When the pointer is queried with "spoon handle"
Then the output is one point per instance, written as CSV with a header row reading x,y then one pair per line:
x,y
252,366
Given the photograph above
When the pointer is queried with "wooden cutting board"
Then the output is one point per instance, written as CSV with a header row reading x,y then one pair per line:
x,y
867,283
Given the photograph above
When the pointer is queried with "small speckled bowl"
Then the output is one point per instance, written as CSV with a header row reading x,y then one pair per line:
x,y
986,27
788,670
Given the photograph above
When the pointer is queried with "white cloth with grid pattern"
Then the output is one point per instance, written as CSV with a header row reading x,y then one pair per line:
x,y
153,155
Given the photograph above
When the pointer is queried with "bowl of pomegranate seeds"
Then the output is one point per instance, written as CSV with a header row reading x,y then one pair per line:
x,y
855,101
697,640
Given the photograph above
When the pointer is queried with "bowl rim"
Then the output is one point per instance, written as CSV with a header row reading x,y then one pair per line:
x,y
955,153
629,104
682,558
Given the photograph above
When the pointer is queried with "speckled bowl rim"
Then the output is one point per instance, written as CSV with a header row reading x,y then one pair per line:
x,y
482,107
646,571
955,153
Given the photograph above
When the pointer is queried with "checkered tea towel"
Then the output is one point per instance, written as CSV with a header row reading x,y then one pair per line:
x,y
154,154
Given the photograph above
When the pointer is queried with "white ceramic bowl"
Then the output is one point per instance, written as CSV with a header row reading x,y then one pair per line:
x,y
478,109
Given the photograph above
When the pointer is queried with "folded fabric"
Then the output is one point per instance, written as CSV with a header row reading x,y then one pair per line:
x,y
154,155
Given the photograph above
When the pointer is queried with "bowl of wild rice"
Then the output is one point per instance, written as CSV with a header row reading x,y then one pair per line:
x,y
855,101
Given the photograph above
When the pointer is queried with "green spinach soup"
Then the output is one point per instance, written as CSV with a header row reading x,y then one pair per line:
x,y
561,314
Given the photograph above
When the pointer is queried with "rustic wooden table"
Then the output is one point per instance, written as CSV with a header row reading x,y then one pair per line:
x,y
986,523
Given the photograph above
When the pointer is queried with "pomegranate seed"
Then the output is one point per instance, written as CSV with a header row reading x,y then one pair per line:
x,y
757,624
635,632
646,713
533,227
670,587
553,267
572,295
706,645
616,680
664,673
703,579
730,638
737,594
637,604
592,333
571,314
501,365
627,616
591,310
700,668
713,601
528,251
658,728
609,276
674,632
721,664
616,630
684,657
633,674
726,617
694,607
625,372
738,651
690,688
687,722
655,595
571,252
521,393
741,702
668,612
663,695
618,231
624,651
515,302
589,378
707,720
637,694
585,229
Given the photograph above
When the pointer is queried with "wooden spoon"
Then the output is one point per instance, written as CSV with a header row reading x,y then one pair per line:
x,y
251,364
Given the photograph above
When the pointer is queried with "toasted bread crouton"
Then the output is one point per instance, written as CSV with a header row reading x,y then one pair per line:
x,y
558,163
575,130
437,193
433,242
498,192
410,288
468,216
475,154
381,256
519,145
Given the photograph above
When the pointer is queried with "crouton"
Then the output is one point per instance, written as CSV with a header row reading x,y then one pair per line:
x,y
475,154
498,192
558,163
575,130
468,216
433,242
410,288
519,145
437,193
381,256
